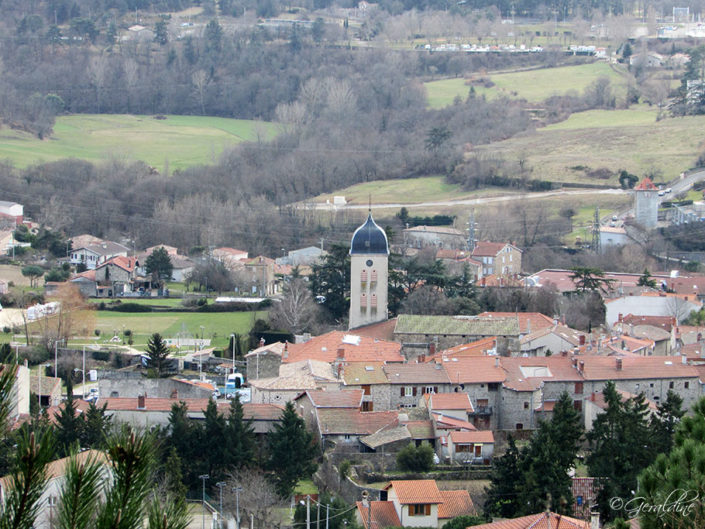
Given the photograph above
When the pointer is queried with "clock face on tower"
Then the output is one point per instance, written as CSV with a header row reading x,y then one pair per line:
x,y
369,262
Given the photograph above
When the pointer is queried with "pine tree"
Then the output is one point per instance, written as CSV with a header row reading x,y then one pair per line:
x,y
96,426
213,444
157,353
291,452
503,492
184,439
664,422
240,437
69,425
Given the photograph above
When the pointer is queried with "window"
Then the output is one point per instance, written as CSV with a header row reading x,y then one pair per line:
x,y
651,385
670,385
493,386
686,385
367,406
526,405
519,426
578,405
409,391
419,509
366,389
579,388
430,389
463,449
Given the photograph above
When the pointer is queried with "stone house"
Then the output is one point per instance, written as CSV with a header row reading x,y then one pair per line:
x,y
369,377
408,382
93,255
311,401
292,380
471,447
117,273
418,332
435,237
343,428
497,258
552,340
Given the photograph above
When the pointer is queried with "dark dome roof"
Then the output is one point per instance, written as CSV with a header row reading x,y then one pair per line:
x,y
369,239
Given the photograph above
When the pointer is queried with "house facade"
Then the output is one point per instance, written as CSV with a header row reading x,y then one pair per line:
x,y
500,259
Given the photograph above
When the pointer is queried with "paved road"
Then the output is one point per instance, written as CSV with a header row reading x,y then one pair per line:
x,y
474,201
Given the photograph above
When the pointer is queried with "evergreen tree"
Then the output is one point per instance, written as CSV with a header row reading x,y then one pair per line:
x,y
620,448
291,452
157,353
159,264
677,480
240,437
213,444
646,280
96,426
664,422
69,425
161,37
184,439
330,282
503,492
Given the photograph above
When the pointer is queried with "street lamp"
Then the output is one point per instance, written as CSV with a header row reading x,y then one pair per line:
x,y
220,486
237,491
204,477
232,338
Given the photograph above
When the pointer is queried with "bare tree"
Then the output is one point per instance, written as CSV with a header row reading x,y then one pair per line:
x,y
296,312
257,498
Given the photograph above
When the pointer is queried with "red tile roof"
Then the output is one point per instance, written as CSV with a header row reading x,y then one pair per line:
x,y
456,503
488,249
126,263
478,348
354,348
646,185
477,436
416,491
528,321
380,513
449,401
687,285
605,368
445,422
474,370
381,331
663,322
545,520
562,281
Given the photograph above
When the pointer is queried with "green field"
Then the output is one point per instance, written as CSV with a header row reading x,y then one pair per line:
x,y
634,116
532,85
217,326
179,141
408,190
666,147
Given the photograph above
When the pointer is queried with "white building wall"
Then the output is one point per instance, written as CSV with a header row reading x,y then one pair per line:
x,y
361,310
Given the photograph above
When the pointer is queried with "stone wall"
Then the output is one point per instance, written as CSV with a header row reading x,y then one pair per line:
x,y
132,385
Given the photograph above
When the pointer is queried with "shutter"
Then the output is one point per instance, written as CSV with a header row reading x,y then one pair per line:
x,y
427,509
435,389
414,391
402,391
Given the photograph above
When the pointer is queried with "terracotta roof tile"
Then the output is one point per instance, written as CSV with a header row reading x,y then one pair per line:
x,y
381,513
126,263
474,370
477,436
354,348
605,368
477,348
416,491
456,503
445,422
545,520
528,321
488,249
420,429
381,331
449,401
663,322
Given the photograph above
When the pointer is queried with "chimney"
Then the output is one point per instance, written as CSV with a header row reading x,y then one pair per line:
x,y
574,361
620,318
496,362
174,394
582,339
140,402
684,359
594,520
422,358
341,352
285,355
432,349
437,365
619,364
581,366
261,341
564,353
340,369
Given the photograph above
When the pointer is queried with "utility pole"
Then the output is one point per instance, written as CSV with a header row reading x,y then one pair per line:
x,y
220,486
203,477
83,372
471,231
596,231
237,506
308,512
318,514
56,355
327,507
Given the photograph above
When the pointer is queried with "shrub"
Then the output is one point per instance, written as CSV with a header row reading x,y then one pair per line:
x,y
96,332
6,329
127,332
131,307
415,459
345,469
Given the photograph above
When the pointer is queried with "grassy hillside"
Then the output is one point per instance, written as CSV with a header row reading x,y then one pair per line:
x,y
595,140
532,85
182,140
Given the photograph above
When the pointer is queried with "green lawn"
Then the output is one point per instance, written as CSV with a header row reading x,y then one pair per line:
x,y
409,190
217,326
182,141
532,85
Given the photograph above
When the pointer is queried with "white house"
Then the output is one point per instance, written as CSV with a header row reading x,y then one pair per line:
x,y
94,255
